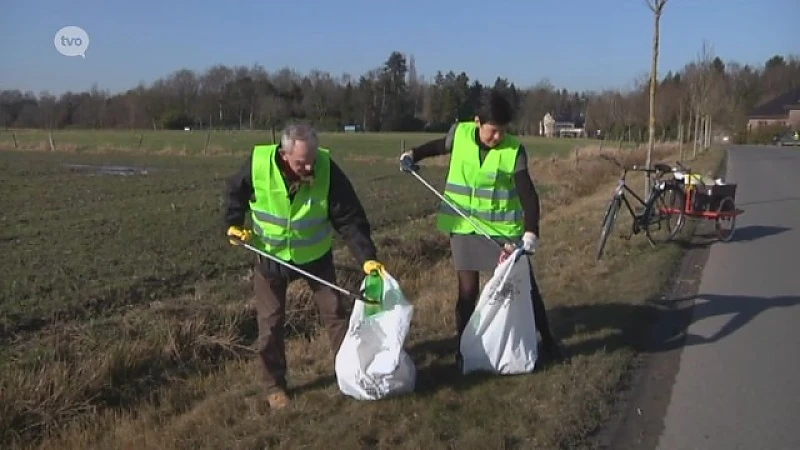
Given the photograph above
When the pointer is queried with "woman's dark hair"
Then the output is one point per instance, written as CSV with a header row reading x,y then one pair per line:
x,y
495,108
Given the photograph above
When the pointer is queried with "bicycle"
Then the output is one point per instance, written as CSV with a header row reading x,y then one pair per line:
x,y
664,202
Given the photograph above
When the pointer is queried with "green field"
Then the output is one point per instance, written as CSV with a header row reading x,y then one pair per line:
x,y
124,318
234,142
87,250
135,238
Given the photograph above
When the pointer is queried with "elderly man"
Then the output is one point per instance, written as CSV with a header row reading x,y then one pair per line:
x,y
296,196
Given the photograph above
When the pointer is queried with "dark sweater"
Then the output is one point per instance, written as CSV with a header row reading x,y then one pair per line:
x,y
527,191
345,211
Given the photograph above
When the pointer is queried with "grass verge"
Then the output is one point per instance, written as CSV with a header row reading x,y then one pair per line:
x,y
177,372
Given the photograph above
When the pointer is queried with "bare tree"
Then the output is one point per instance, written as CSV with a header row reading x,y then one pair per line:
x,y
5,118
657,7
260,81
272,108
667,107
132,104
699,75
684,127
538,101
47,108
720,101
212,85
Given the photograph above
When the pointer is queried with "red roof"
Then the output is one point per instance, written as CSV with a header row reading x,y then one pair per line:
x,y
778,106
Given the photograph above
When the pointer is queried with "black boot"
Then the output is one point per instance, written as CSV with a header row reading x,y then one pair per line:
x,y
459,362
553,351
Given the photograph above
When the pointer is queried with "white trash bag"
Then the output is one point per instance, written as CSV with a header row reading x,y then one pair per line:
x,y
371,363
500,336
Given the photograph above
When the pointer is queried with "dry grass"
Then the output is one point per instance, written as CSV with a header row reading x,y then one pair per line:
x,y
583,171
180,377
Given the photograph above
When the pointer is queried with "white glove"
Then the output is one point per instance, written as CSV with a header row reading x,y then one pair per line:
x,y
529,242
407,162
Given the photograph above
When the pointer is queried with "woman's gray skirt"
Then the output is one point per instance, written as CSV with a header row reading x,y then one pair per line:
x,y
474,252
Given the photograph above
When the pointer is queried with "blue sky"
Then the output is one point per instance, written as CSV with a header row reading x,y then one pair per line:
x,y
570,42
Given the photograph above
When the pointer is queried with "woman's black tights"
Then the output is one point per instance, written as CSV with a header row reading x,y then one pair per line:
x,y
469,291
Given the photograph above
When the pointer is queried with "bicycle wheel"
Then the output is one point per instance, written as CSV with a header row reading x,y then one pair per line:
x,y
608,223
726,215
666,215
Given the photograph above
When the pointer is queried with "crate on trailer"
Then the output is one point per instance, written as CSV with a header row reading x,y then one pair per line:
x,y
709,198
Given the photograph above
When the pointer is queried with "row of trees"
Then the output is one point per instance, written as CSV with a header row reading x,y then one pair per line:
x,y
394,97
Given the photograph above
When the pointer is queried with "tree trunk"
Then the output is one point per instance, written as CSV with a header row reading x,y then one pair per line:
x,y
680,132
696,133
705,132
702,143
689,126
651,128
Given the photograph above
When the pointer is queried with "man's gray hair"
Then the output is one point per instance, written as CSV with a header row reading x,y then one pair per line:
x,y
298,132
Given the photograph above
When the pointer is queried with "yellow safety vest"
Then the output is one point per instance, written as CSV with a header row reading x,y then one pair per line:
x,y
298,231
486,193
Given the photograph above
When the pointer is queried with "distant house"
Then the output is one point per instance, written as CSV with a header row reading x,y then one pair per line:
x,y
351,128
783,110
562,126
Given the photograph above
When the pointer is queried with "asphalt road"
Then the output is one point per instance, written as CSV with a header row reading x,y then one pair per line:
x,y
738,382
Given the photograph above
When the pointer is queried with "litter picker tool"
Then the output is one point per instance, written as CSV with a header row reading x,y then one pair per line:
x,y
344,291
458,211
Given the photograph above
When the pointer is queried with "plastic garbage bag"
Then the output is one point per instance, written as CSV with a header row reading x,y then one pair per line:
x,y
500,336
371,363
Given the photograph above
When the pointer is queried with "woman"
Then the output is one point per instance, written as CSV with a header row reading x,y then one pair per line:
x,y
488,176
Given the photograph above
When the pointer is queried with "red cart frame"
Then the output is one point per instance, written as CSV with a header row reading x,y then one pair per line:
x,y
710,202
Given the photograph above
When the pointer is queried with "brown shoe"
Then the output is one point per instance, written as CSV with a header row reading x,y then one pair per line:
x,y
278,400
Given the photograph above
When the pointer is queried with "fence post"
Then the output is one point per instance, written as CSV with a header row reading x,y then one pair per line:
x,y
208,138
14,137
50,139
577,154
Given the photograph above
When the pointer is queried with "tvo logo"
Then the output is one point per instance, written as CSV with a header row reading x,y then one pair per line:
x,y
71,41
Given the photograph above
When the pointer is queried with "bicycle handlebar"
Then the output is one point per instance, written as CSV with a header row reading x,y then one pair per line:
x,y
614,160
643,169
634,168
678,163
619,164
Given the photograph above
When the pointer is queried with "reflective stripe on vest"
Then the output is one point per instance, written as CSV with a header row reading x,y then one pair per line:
x,y
486,193
297,231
